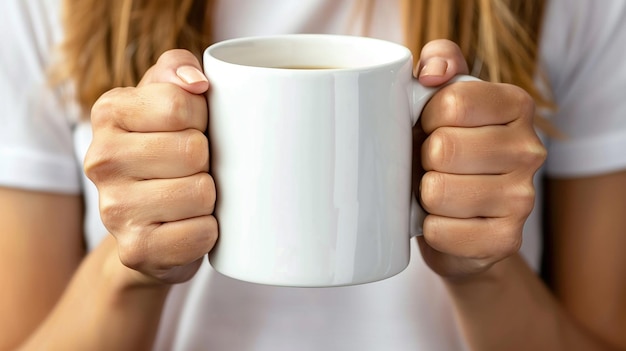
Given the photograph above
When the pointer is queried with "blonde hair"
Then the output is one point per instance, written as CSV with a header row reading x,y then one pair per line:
x,y
112,43
498,38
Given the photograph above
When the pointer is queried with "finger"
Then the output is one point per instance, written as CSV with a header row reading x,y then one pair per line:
x,y
151,202
179,67
476,238
469,196
161,249
155,107
440,60
447,265
186,240
482,150
475,104
143,156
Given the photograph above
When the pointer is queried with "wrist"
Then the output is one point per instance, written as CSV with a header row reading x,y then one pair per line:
x,y
106,306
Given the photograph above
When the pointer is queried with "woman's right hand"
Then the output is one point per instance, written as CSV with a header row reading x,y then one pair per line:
x,y
149,159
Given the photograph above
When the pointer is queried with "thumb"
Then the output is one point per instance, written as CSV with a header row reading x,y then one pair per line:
x,y
440,60
179,67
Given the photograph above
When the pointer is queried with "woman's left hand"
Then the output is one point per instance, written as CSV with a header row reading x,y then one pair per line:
x,y
478,160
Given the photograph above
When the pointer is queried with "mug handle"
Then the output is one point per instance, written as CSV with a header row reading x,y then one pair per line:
x,y
421,95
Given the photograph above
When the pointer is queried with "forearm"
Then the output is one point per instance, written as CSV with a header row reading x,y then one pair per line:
x,y
103,308
509,308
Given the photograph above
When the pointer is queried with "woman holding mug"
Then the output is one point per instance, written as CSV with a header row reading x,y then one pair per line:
x,y
474,281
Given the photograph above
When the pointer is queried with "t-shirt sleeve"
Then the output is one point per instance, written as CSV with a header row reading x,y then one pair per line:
x,y
36,147
584,51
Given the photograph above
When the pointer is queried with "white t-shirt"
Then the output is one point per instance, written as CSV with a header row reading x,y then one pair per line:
x,y
42,144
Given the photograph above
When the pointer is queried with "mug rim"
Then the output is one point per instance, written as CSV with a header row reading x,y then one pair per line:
x,y
381,53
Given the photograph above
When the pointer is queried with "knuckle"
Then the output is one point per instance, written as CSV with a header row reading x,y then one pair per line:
x,y
535,155
432,189
169,55
439,150
105,107
112,210
165,57
451,109
213,232
528,154
131,255
523,102
205,191
178,106
100,162
523,199
132,246
195,150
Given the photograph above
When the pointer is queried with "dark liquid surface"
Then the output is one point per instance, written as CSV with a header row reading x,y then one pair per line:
x,y
308,67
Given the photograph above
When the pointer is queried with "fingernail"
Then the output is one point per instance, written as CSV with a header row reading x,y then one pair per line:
x,y
434,67
190,74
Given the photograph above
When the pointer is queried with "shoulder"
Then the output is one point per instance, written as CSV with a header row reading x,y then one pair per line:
x,y
30,28
582,54
578,14
576,32
36,146
34,24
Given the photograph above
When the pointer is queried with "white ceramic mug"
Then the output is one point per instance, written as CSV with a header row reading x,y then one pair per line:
x,y
311,142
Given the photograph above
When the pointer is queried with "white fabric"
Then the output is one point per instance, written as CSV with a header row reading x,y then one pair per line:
x,y
584,51
36,138
42,145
